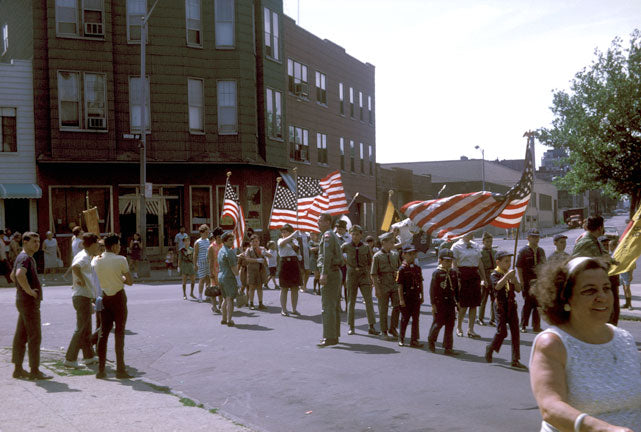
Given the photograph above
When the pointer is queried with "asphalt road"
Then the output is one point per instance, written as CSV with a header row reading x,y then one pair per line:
x,y
268,373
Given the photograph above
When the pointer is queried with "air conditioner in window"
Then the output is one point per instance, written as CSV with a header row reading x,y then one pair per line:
x,y
301,89
93,29
96,123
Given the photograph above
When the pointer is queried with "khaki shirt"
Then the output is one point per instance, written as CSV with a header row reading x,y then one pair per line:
x,y
588,246
385,265
330,257
358,257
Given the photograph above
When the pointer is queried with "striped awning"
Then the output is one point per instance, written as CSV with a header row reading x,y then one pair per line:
x,y
129,204
20,190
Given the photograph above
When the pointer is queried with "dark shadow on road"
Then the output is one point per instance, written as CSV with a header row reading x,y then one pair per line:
x,y
507,366
255,327
365,348
318,319
242,313
55,387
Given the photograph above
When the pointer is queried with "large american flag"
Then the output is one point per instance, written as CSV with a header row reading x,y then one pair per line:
x,y
233,209
284,208
319,196
459,214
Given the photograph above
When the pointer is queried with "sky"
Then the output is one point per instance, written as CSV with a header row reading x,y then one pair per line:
x,y
451,75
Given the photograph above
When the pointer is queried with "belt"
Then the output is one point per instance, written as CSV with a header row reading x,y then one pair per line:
x,y
289,258
355,268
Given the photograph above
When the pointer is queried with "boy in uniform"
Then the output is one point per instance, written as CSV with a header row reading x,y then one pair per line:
x,y
560,241
505,284
444,290
410,293
384,267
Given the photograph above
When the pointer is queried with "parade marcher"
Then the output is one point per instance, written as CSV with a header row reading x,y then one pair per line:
x,y
487,256
444,289
135,253
330,260
52,255
228,277
410,295
212,257
200,260
256,259
559,254
505,283
28,298
113,273
358,261
242,269
467,257
528,260
186,265
179,239
303,252
588,245
313,260
385,264
272,262
614,281
343,237
289,277
84,294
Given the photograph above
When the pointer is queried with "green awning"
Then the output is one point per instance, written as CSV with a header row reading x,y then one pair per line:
x,y
20,190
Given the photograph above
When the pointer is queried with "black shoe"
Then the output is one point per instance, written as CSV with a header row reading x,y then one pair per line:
x,y
101,375
296,313
123,375
284,313
372,330
451,352
261,306
488,353
20,374
38,375
252,307
327,342
523,330
230,323
431,346
351,331
518,365
416,344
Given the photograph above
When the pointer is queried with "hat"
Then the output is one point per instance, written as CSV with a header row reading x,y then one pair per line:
x,y
501,254
386,236
445,254
487,235
369,238
340,223
408,249
355,228
534,232
559,237
604,239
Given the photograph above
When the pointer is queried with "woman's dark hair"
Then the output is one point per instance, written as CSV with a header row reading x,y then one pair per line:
x,y
88,239
555,283
76,230
111,240
226,236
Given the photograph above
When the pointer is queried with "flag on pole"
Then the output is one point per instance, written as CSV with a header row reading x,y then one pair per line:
x,y
629,248
284,208
233,209
319,196
459,214
391,215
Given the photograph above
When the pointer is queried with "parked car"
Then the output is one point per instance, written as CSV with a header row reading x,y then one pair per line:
x,y
574,221
611,232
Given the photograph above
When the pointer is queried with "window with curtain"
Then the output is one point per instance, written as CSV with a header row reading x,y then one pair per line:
x,y
194,23
135,106
69,97
352,156
227,108
8,130
195,95
136,10
224,25
272,41
321,148
342,148
321,91
273,102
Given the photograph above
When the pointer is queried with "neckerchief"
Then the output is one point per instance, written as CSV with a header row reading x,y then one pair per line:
x,y
499,271
447,274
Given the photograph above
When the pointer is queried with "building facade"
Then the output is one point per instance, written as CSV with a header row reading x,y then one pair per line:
x,y
217,102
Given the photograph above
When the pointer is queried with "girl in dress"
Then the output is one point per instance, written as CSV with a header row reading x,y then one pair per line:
x,y
186,265
256,262
52,255
200,258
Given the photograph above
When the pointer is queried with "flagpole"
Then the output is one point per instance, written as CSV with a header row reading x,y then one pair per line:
x,y
295,170
530,142
226,184
271,213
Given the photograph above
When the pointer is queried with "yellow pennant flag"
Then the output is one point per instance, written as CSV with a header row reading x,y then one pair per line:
x,y
629,249
391,215
91,220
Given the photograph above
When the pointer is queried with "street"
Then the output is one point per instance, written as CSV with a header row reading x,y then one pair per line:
x,y
268,373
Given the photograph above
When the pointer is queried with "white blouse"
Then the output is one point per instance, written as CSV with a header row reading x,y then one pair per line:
x,y
466,255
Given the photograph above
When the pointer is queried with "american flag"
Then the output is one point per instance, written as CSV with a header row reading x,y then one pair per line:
x,y
318,196
459,214
233,209
284,208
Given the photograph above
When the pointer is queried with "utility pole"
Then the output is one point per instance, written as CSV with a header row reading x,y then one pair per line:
x,y
483,162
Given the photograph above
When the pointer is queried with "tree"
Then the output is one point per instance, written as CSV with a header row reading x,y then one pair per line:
x,y
598,124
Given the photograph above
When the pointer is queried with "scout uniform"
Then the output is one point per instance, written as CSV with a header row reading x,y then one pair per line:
x,y
410,281
487,257
588,246
444,290
559,255
358,261
330,260
342,239
385,265
527,261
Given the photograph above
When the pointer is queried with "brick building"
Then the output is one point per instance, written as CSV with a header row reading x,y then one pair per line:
x,y
217,101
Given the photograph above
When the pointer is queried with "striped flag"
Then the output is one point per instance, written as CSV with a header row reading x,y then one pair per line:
x,y
459,214
233,209
318,196
283,208
629,249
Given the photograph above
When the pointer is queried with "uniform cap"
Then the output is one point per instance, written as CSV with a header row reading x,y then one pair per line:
x,y
445,254
501,254
369,238
386,236
355,228
408,249
559,237
341,224
534,232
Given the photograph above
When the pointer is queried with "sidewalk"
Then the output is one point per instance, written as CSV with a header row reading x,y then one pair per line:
x,y
80,402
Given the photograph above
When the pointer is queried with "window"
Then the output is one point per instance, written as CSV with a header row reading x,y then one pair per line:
x,y
273,102
298,144
136,11
82,100
341,99
362,154
533,200
321,148
8,131
360,104
371,161
342,148
201,206
80,18
369,109
351,102
195,94
545,202
297,78
135,105
74,199
227,108
321,92
254,209
352,156
193,25
271,34
5,38
225,24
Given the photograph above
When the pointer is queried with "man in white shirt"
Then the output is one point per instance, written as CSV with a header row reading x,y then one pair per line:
x,y
84,293
113,273
178,239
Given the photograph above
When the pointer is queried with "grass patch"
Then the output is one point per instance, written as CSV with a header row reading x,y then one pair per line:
x,y
213,411
187,402
162,389
59,368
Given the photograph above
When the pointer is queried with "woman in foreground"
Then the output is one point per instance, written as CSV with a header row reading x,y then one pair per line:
x,y
585,373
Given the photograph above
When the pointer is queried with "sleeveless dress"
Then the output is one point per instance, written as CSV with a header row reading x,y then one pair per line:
x,y
603,380
201,259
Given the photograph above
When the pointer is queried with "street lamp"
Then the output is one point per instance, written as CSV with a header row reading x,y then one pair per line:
x,y
482,166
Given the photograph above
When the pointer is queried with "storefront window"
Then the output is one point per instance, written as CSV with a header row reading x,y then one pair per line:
x,y
200,207
68,202
253,212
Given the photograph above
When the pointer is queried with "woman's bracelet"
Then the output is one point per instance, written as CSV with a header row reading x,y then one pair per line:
x,y
579,421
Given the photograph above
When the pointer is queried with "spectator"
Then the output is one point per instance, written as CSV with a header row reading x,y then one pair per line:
x,y
52,255
179,239
200,260
15,246
135,253
186,266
